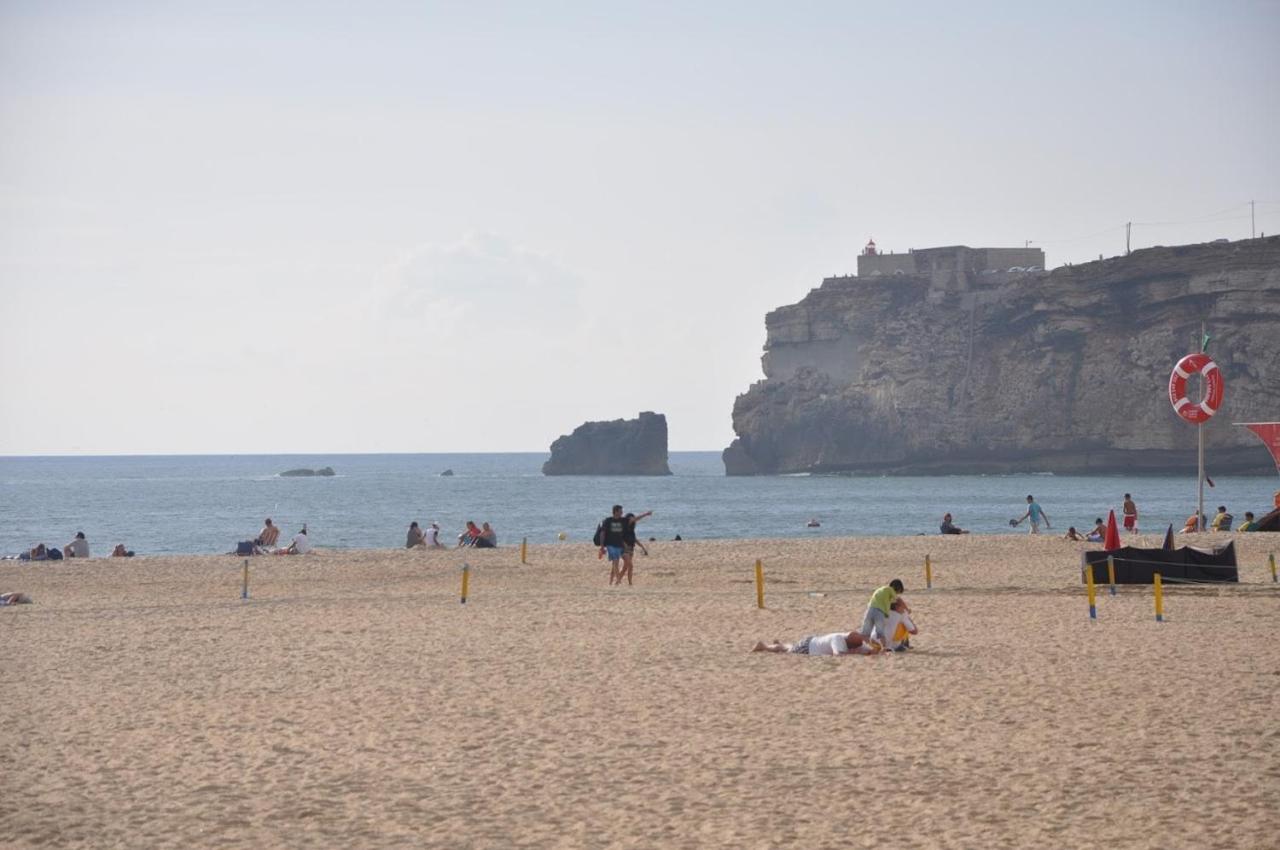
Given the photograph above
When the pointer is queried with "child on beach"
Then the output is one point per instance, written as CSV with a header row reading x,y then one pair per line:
x,y
1072,534
879,606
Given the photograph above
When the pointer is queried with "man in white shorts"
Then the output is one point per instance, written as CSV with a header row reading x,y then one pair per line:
x,y
836,643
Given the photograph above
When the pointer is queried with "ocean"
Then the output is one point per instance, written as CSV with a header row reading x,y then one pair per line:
x,y
205,504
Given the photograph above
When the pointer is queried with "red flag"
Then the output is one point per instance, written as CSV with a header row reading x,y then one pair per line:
x,y
1112,540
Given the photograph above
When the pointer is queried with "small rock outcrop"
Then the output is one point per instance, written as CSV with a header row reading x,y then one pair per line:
x,y
621,447
308,473
1026,371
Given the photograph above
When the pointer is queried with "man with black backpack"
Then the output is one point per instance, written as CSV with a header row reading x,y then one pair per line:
x,y
611,536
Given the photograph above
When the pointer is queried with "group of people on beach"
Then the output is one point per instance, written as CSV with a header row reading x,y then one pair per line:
x,y
77,548
483,537
886,627
269,536
616,537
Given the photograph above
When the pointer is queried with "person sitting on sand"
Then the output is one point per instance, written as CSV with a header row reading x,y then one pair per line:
x,y
948,527
1190,525
301,544
1249,524
268,536
39,552
77,548
415,536
898,627
836,643
1221,520
121,552
433,536
487,539
1072,534
1099,532
469,535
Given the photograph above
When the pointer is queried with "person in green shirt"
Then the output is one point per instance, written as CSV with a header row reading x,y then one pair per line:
x,y
876,618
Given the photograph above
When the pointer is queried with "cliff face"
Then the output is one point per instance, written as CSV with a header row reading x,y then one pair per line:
x,y
621,447
1062,371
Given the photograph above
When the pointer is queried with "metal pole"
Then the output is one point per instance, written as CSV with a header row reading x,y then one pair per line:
x,y
1128,226
1253,222
1200,479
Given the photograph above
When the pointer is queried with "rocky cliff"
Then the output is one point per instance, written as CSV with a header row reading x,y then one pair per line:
x,y
621,447
1062,371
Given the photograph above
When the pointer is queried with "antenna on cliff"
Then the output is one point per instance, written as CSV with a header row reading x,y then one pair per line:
x,y
1127,227
1253,222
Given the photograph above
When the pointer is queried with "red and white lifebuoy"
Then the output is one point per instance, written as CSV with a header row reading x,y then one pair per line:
x,y
1212,377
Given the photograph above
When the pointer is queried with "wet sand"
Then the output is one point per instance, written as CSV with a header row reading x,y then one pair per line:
x,y
353,702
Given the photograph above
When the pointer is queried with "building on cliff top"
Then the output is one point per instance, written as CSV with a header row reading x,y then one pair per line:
x,y
939,264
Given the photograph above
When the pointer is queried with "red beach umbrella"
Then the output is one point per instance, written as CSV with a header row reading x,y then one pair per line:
x,y
1112,540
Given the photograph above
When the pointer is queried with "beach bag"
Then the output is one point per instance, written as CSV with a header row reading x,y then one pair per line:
x,y
55,554
244,547
599,538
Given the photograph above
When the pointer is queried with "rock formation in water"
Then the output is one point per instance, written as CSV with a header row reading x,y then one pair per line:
x,y
952,370
621,447
308,473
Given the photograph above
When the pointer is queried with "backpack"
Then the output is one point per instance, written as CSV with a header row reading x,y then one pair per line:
x,y
599,538
244,547
55,554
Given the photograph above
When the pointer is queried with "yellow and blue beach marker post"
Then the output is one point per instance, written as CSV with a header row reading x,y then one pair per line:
x,y
1111,574
524,550
244,584
759,584
1159,598
1093,602
1273,567
466,576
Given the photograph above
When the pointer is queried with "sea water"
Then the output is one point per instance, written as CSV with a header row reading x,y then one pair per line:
x,y
205,504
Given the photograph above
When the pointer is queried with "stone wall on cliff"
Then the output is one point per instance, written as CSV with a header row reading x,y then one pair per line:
x,y
1062,371
621,447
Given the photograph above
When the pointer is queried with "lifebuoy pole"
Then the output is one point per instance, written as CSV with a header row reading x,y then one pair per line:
x,y
1200,480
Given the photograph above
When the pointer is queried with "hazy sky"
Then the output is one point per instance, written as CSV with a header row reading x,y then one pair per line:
x,y
332,227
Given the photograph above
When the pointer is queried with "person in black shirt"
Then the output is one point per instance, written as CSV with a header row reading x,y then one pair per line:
x,y
614,527
629,544
948,527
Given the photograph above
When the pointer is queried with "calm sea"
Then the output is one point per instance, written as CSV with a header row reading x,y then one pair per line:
x,y
204,504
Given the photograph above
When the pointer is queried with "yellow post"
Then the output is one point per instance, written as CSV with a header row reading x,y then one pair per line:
x,y
928,573
1159,599
759,584
244,586
524,550
1273,566
1111,573
1093,602
466,575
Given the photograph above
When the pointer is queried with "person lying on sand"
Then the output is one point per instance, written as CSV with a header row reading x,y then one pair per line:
x,y
14,599
837,643
1072,534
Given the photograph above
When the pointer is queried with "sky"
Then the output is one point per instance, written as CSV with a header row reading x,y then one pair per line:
x,y
417,227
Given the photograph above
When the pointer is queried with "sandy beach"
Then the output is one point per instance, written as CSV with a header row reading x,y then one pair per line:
x,y
353,702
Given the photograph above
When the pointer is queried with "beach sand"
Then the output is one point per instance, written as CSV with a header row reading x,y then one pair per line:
x,y
353,702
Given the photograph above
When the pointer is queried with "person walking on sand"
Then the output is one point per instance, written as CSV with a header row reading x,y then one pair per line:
x,y
613,540
1035,514
1130,509
629,544
878,607
836,643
